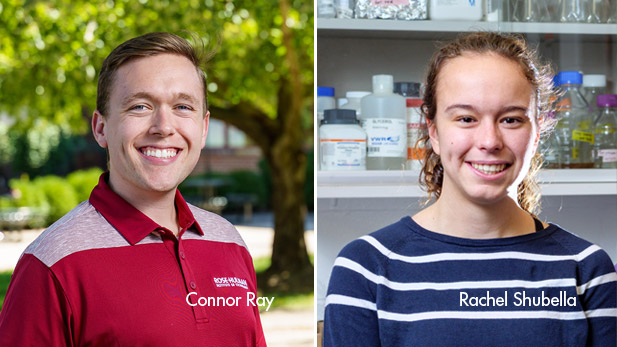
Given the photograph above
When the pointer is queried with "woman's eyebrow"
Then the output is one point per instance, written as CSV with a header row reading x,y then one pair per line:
x,y
506,109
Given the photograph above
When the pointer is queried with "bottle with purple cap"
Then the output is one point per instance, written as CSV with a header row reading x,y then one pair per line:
x,y
605,132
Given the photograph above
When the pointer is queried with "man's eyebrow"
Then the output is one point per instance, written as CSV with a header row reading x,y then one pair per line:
x,y
149,96
138,95
186,97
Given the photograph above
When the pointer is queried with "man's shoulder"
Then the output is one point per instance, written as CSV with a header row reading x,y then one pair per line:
x,y
215,227
81,229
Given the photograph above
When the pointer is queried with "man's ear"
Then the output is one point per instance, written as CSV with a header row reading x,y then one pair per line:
x,y
98,128
432,133
205,133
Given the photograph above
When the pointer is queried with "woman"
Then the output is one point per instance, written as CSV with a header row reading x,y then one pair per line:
x,y
476,268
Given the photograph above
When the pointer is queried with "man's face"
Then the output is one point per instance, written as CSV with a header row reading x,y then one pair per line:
x,y
155,127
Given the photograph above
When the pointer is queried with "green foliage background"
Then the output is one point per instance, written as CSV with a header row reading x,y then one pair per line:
x,y
50,51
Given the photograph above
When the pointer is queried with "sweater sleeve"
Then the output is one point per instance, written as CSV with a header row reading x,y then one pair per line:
x,y
36,311
598,295
350,317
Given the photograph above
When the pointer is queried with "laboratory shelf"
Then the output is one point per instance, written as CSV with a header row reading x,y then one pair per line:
x,y
433,29
385,184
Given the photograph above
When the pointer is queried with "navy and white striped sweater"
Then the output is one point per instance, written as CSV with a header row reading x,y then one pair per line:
x,y
406,286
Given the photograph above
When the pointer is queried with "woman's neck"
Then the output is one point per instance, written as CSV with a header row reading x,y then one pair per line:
x,y
503,218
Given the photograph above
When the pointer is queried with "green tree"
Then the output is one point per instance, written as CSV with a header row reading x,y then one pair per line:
x,y
260,80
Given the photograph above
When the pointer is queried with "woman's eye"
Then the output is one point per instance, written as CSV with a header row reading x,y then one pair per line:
x,y
465,119
512,120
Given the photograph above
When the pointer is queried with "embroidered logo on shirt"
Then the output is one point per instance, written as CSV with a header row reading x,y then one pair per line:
x,y
230,282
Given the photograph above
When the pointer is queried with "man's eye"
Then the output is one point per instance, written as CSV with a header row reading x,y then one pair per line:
x,y
185,107
138,107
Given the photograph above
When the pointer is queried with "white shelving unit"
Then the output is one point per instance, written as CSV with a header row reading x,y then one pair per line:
x,y
400,184
350,51
360,27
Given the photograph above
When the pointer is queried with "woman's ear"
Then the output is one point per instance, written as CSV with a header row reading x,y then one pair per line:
x,y
433,135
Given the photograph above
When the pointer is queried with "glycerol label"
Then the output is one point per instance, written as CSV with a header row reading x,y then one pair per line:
x,y
343,154
387,137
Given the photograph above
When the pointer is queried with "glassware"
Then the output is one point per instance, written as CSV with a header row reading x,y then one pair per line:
x,y
325,9
575,128
594,11
572,11
605,145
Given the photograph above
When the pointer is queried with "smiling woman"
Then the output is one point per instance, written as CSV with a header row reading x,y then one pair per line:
x,y
485,104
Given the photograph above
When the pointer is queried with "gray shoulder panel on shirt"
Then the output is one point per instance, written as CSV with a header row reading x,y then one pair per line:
x,y
81,229
215,228
84,228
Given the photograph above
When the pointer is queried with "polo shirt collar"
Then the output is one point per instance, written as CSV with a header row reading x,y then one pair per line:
x,y
129,221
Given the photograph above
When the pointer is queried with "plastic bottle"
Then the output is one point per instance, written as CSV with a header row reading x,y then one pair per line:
x,y
342,141
354,99
384,120
325,100
605,145
456,9
573,112
325,9
593,85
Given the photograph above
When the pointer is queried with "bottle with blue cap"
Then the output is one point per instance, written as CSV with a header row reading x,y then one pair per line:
x,y
575,127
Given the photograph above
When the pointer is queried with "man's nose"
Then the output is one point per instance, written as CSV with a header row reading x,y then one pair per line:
x,y
162,122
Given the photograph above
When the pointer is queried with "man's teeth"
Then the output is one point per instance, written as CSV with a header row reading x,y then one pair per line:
x,y
489,169
160,153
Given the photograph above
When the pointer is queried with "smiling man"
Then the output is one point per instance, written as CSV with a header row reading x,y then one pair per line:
x,y
120,269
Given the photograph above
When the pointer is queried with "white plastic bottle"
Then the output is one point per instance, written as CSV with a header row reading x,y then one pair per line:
x,y
593,85
325,100
354,99
384,120
342,141
456,9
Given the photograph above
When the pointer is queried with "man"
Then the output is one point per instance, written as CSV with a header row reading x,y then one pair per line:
x,y
133,265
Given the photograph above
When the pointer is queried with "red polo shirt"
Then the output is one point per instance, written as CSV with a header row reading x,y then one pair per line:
x,y
106,275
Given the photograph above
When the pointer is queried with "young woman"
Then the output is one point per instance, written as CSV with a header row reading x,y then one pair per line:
x,y
476,267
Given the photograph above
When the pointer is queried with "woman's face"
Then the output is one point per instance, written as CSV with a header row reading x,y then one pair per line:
x,y
485,129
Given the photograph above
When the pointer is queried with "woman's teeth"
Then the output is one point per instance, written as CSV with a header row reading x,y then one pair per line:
x,y
489,169
160,153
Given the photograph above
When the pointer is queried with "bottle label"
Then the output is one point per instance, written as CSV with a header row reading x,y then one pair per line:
x,y
386,137
343,154
582,136
389,2
415,131
608,155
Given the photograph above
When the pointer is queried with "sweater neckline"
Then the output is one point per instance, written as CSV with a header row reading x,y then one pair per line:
x,y
502,241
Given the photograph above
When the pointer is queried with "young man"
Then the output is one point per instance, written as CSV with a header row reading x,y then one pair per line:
x,y
137,265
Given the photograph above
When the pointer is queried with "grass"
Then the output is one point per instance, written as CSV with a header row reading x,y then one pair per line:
x,y
294,301
260,264
5,278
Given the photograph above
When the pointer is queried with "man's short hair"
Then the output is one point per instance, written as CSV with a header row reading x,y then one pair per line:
x,y
144,46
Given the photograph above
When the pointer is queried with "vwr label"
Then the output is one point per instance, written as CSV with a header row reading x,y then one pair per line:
x,y
339,154
387,137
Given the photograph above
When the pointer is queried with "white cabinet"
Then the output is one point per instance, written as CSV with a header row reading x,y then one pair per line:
x,y
350,51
